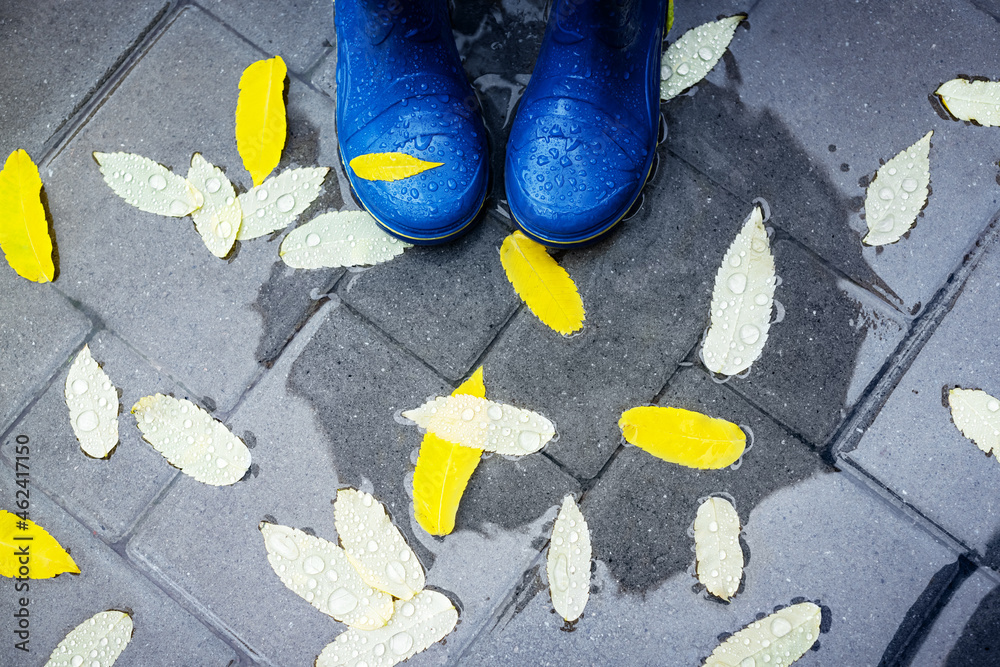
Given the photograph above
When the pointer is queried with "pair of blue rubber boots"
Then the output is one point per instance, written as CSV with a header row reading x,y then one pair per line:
x,y
582,144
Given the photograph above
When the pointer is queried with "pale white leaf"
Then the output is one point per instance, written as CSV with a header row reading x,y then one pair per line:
x,y
339,238
778,639
415,625
977,416
218,219
97,641
93,405
741,301
897,193
688,60
972,100
147,185
191,439
374,545
482,424
717,547
568,561
319,572
275,203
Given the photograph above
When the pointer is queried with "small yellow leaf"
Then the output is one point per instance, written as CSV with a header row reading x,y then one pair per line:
x,y
972,100
45,558
260,117
779,639
24,232
389,166
443,471
670,18
102,636
683,437
542,284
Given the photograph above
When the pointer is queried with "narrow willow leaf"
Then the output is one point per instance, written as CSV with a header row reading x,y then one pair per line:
x,y
47,559
218,219
339,238
897,193
190,439
741,301
476,422
97,642
147,185
374,545
670,18
443,471
778,639
717,547
688,60
319,572
415,625
261,126
93,406
977,416
543,285
683,437
568,561
278,201
972,100
389,166
24,231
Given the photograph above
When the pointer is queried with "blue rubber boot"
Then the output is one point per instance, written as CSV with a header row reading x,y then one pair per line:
x,y
401,89
584,138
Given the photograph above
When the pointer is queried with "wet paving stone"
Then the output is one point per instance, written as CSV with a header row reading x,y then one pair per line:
x,y
107,495
149,278
914,448
165,633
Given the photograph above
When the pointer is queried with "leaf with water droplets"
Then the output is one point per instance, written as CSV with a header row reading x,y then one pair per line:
x,y
339,238
443,471
218,219
568,561
319,572
374,545
48,559
897,193
415,625
977,416
147,185
191,439
275,203
543,285
24,230
97,641
778,639
93,406
683,437
261,126
476,422
688,60
389,166
741,301
972,100
717,547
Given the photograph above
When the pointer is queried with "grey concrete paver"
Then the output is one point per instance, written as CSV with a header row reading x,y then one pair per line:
x,y
810,101
964,633
150,278
60,53
39,329
165,634
322,419
107,495
914,448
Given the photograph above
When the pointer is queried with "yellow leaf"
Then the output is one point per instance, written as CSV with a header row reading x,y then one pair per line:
x,y
683,437
45,558
260,117
389,166
670,18
24,232
544,286
443,472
